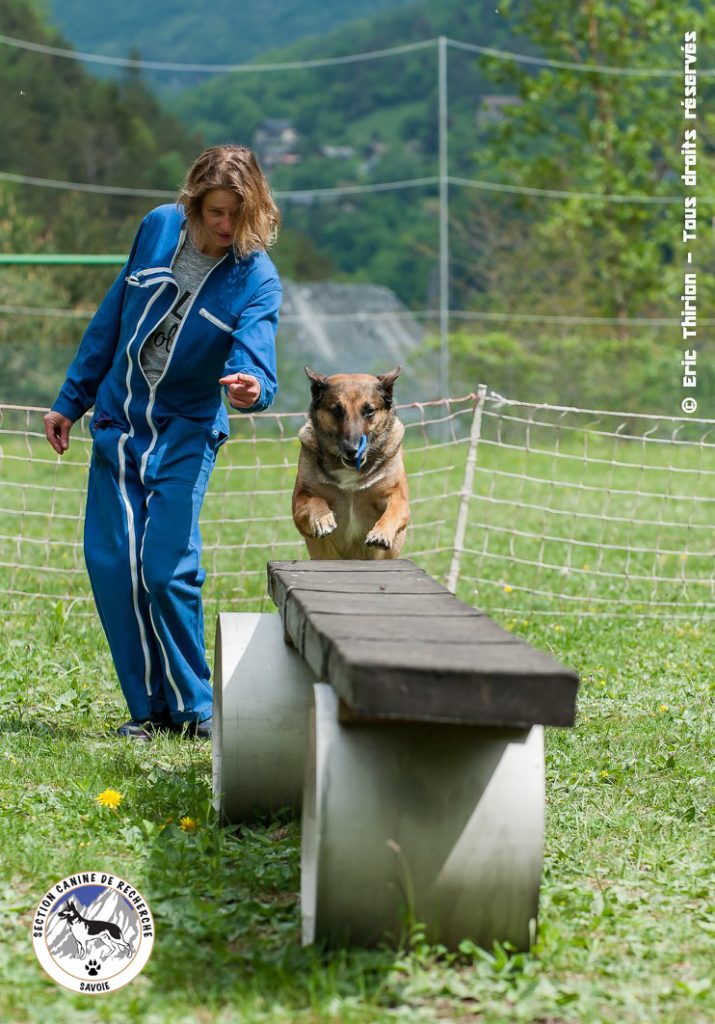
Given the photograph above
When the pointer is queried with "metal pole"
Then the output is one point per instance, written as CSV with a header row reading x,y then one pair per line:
x,y
443,222
467,487
62,258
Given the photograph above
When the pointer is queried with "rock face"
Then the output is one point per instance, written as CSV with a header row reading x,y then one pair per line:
x,y
348,328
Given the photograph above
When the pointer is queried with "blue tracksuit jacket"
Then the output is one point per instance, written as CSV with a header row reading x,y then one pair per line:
x,y
154,449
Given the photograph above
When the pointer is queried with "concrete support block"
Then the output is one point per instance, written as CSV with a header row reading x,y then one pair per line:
x,y
444,821
262,696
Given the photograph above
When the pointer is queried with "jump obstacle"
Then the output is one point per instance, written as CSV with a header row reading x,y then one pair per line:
x,y
408,727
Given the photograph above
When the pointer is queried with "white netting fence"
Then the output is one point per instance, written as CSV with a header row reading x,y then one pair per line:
x,y
521,508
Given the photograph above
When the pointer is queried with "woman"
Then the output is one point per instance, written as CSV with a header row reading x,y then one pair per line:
x,y
195,307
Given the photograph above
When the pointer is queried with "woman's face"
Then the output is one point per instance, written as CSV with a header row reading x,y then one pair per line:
x,y
219,210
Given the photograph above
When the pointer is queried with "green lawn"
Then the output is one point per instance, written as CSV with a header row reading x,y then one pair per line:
x,y
627,919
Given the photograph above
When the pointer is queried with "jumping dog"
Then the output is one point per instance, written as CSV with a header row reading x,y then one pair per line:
x,y
350,498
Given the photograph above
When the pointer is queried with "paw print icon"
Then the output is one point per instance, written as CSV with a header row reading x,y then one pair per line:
x,y
93,967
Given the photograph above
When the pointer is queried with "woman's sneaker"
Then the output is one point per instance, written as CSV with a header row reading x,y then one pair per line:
x,y
142,730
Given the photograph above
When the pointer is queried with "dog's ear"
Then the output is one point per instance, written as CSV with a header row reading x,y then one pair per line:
x,y
387,383
318,384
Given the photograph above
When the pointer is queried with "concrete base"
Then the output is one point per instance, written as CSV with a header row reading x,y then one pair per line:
x,y
262,697
440,823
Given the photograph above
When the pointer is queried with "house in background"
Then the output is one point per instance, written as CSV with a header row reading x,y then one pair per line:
x,y
275,141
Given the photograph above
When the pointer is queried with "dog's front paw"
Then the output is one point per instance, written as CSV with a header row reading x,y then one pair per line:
x,y
325,525
377,539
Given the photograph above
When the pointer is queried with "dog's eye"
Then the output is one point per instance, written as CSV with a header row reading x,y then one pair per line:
x,y
338,410
368,411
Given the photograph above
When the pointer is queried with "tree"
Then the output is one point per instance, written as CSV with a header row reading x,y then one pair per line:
x,y
603,134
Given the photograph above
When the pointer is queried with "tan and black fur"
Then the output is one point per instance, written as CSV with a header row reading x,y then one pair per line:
x,y
343,511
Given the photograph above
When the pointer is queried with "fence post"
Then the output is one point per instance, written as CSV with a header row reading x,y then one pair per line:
x,y
442,133
467,485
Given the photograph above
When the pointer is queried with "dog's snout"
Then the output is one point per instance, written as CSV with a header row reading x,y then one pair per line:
x,y
350,448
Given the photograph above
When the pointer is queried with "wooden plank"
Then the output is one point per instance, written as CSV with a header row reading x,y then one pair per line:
x,y
364,565
352,583
324,629
397,645
380,604
402,582
507,686
443,629
428,657
300,609
412,653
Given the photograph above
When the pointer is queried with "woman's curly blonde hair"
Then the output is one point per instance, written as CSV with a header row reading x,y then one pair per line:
x,y
234,168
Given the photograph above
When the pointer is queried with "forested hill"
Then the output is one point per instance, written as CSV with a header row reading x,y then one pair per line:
x,y
363,123
325,103
220,32
61,122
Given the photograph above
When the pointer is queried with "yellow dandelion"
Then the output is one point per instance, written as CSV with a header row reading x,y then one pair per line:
x,y
507,589
585,566
109,798
188,824
604,774
664,707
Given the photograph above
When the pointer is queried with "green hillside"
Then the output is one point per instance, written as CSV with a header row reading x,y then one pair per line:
x,y
60,121
223,32
359,102
362,123
375,121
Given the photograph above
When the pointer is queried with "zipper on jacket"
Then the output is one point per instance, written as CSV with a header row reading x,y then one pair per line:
x,y
168,280
154,386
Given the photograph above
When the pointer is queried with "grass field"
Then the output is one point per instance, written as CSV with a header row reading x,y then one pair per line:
x,y
627,917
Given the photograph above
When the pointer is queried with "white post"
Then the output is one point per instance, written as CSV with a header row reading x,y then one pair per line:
x,y
466,492
443,221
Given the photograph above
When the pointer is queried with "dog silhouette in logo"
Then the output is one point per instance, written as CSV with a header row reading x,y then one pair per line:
x,y
85,931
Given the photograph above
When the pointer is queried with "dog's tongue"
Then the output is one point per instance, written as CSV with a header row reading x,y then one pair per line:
x,y
361,451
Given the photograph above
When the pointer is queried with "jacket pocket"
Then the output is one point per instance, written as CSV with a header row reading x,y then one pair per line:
x,y
215,320
102,421
217,437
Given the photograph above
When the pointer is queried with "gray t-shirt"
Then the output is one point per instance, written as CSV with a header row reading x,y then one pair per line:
x,y
190,268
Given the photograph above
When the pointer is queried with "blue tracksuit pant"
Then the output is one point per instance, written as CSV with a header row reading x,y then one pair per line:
x,y
143,552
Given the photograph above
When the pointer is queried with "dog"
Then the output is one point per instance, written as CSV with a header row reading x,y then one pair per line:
x,y
84,931
350,498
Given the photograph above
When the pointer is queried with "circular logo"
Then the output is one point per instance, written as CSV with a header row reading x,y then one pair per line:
x,y
93,932
689,405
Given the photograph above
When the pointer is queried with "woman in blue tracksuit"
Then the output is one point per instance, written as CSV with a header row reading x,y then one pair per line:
x,y
195,307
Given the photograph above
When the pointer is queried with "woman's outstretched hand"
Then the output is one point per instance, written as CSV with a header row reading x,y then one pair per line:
x,y
243,389
57,429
